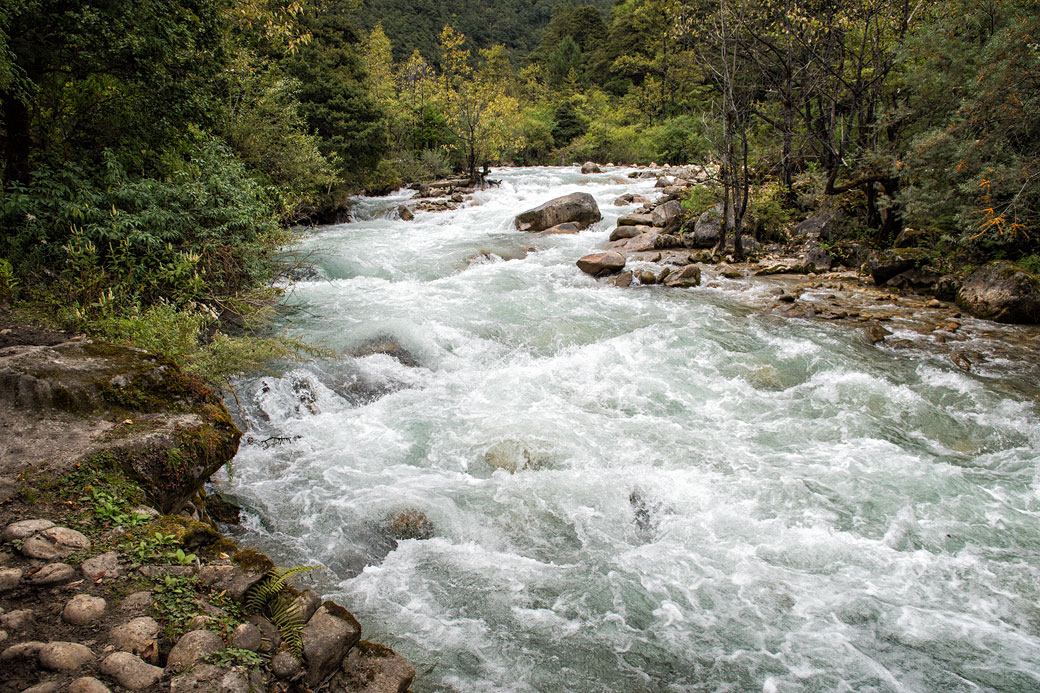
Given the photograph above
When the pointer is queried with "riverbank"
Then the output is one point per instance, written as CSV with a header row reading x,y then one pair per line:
x,y
113,573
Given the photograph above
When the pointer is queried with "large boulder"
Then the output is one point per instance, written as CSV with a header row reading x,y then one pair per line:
x,y
892,262
623,232
667,214
579,208
635,219
821,226
590,167
601,264
708,228
1002,291
327,637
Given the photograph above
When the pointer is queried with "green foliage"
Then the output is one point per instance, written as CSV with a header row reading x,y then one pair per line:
x,y
769,213
236,657
175,600
8,281
699,199
111,510
156,548
567,123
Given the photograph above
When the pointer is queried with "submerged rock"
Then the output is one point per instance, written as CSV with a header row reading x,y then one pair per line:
x,y
580,208
409,524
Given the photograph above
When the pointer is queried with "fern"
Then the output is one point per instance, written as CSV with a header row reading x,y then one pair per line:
x,y
271,597
287,618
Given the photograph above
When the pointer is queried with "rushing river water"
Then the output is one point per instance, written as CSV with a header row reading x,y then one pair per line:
x,y
640,489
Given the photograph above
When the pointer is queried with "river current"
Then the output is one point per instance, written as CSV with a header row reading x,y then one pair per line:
x,y
641,489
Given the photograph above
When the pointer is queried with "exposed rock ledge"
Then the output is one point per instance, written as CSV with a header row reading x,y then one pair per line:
x,y
112,577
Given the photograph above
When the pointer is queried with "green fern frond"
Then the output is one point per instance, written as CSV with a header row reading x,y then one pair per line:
x,y
288,619
270,586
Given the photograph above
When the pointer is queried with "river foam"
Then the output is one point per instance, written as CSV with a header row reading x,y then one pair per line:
x,y
639,489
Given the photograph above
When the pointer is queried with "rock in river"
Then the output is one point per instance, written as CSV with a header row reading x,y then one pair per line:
x,y
579,208
600,264
1002,291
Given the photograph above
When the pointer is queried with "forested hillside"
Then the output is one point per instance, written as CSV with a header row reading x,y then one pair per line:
x,y
515,24
154,153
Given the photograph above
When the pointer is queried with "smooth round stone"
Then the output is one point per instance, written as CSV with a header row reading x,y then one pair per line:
x,y
246,637
194,647
137,601
53,543
9,578
130,671
17,620
83,609
104,566
45,687
137,635
88,684
24,528
53,573
65,656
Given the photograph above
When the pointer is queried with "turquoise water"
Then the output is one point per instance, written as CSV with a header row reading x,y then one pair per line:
x,y
640,489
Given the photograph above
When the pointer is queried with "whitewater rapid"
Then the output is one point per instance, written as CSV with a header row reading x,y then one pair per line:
x,y
641,489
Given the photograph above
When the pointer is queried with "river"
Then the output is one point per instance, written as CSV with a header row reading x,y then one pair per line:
x,y
640,489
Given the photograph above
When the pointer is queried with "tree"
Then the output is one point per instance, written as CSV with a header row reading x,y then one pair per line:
x,y
483,118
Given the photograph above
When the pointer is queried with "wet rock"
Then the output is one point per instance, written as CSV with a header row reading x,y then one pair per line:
x,y
372,668
686,277
960,360
327,638
246,636
1002,291
623,232
130,671
876,333
139,636
628,199
24,528
87,684
9,578
54,543
223,508
409,524
18,620
195,646
639,244
104,566
52,574
579,208
386,345
405,214
65,656
600,264
636,220
590,167
567,227
622,280
646,277
83,609
667,214
285,665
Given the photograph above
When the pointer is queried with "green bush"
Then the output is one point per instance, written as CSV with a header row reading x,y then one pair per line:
x,y
769,213
699,199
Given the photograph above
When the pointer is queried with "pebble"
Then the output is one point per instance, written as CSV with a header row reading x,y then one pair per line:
x,y
88,684
53,573
194,647
104,566
65,656
24,528
130,671
246,637
83,610
16,620
139,635
55,542
9,578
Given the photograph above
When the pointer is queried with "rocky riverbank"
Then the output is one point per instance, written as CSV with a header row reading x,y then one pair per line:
x,y
113,576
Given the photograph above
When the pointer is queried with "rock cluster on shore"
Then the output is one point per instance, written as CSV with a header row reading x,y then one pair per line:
x,y
97,594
